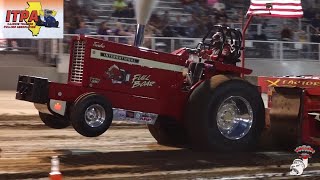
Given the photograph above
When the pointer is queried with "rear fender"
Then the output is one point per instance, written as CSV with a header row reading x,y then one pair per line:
x,y
214,82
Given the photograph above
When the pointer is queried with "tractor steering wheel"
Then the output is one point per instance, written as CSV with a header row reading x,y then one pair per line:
x,y
199,48
202,47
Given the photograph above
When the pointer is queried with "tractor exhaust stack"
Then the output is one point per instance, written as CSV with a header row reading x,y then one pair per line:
x,y
143,10
138,39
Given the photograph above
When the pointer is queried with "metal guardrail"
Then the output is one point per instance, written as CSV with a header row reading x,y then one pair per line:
x,y
51,50
24,45
269,50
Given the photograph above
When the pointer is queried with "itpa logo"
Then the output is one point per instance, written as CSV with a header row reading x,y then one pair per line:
x,y
298,165
31,19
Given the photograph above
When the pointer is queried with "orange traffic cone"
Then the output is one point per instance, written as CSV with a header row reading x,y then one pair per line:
x,y
55,173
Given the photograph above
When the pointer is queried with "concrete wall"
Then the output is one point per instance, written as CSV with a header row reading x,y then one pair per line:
x,y
9,75
24,60
282,68
13,65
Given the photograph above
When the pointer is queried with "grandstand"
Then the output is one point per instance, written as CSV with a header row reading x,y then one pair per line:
x,y
104,11
271,28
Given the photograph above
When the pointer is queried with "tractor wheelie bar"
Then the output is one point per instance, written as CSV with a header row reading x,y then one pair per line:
x,y
190,96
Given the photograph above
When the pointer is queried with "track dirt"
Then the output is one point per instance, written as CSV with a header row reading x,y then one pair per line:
x,y
126,152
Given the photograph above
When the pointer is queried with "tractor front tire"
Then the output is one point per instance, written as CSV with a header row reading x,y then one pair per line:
x,y
168,132
91,115
228,116
54,122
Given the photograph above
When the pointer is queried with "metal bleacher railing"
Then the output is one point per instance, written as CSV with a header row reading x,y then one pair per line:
x,y
255,50
50,51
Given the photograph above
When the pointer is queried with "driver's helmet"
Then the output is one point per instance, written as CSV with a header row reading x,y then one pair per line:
x,y
217,37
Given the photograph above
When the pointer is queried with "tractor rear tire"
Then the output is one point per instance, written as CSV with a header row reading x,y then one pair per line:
x,y
54,122
91,115
215,115
168,132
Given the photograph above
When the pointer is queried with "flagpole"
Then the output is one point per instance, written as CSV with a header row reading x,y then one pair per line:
x,y
243,9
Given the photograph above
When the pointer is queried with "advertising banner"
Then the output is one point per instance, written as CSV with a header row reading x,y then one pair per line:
x,y
31,19
267,82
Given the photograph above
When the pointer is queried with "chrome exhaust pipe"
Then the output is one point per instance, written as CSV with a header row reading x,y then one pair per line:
x,y
143,9
139,36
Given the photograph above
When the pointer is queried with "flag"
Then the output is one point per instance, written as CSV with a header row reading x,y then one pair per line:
x,y
276,8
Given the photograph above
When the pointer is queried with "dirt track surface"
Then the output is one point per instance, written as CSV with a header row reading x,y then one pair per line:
x,y
126,152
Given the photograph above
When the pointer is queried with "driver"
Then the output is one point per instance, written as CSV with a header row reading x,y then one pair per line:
x,y
217,41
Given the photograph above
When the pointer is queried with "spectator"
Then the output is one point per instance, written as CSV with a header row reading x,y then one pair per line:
x,y
12,45
179,26
67,28
190,27
120,8
223,21
316,22
167,31
119,31
286,34
131,29
155,21
73,5
104,29
206,22
83,30
221,15
148,34
262,48
200,30
129,12
74,23
315,37
309,13
205,10
165,28
264,24
166,17
190,6
72,15
212,2
86,7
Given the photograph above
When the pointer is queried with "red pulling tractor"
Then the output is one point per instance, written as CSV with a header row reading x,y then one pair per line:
x,y
204,102
195,96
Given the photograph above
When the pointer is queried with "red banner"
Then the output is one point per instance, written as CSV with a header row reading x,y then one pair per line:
x,y
308,81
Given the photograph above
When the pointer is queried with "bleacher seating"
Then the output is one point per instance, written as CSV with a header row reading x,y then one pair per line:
x,y
104,10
